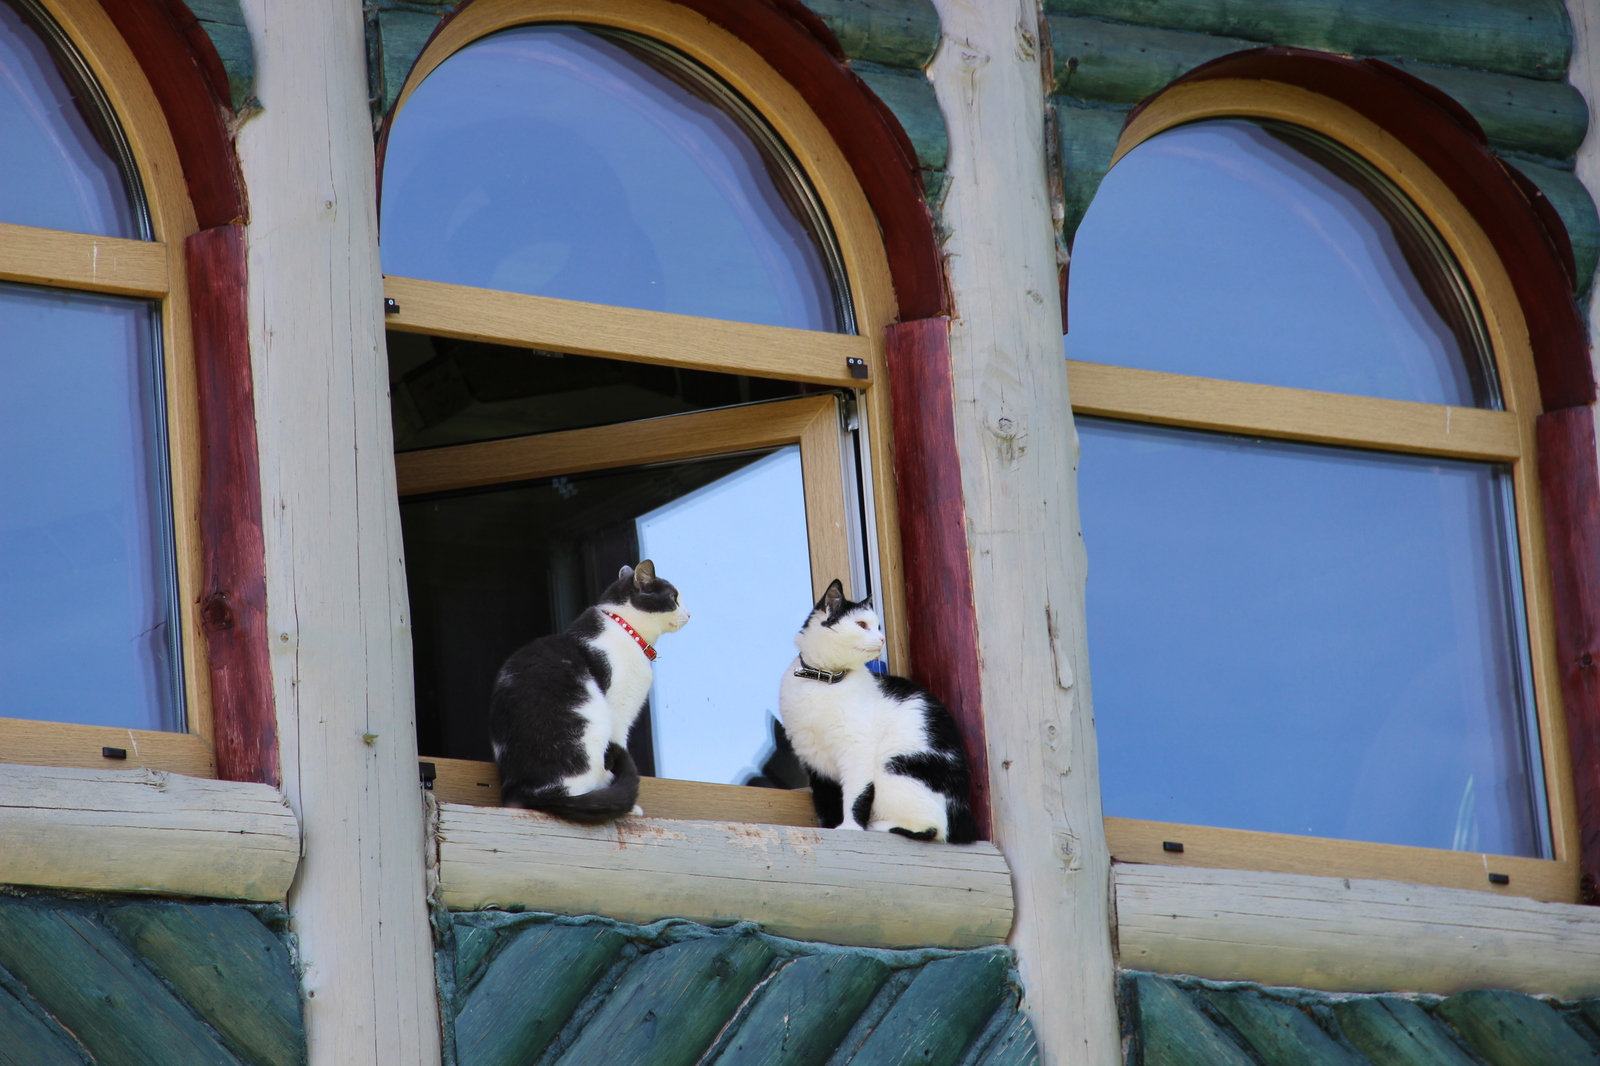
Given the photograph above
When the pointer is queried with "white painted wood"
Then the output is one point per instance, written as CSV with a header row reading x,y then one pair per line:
x,y
335,578
1349,935
1018,454
145,831
836,885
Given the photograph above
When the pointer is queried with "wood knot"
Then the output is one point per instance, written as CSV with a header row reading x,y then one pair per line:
x,y
1586,661
216,614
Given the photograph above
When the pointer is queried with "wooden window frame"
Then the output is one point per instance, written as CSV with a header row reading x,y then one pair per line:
x,y
813,357
1508,437
153,270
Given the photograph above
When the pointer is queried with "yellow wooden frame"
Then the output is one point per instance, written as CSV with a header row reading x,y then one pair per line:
x,y
676,340
153,270
1294,414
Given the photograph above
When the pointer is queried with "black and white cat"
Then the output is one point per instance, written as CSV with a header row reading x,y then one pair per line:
x,y
563,704
881,748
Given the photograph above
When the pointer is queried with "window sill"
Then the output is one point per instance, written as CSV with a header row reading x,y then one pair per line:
x,y
145,831
62,744
835,885
1348,935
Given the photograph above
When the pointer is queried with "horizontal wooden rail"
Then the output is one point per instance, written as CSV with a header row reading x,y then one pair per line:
x,y
61,744
1132,840
495,317
83,261
1348,935
1293,414
838,885
577,451
145,831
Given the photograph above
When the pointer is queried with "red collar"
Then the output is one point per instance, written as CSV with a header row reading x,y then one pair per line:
x,y
649,652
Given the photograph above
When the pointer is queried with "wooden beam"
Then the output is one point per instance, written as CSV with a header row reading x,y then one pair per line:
x,y
1348,935
1293,414
1135,841
495,317
836,885
83,262
145,831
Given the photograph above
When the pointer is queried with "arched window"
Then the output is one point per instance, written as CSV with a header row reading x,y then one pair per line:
x,y
624,324
93,572
1316,606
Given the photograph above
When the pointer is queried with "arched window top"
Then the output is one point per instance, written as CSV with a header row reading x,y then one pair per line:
x,y
590,164
64,164
1257,251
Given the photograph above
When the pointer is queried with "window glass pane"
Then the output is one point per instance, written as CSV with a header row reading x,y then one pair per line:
x,y
58,166
1262,253
1310,640
594,165
490,570
88,625
446,391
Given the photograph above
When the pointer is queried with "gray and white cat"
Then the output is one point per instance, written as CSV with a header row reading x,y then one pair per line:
x,y
880,747
563,705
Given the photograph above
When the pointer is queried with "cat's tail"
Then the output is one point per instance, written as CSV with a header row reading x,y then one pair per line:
x,y
601,805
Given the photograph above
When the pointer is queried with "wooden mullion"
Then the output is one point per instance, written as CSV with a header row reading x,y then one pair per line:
x,y
495,317
1293,414
83,262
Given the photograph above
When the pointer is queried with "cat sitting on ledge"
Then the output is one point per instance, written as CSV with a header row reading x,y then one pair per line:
x,y
881,743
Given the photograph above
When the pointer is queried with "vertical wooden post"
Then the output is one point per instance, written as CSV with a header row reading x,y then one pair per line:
x,y
1018,451
336,593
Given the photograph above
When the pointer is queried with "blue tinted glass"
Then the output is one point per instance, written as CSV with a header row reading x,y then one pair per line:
x,y
1254,253
56,171
87,613
1309,640
553,161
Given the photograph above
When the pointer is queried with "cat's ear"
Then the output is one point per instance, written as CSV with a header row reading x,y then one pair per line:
x,y
867,603
832,598
644,574
625,573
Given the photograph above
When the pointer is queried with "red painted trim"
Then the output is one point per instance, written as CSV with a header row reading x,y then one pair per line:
x,y
233,604
863,127
941,621
1570,486
1524,229
183,69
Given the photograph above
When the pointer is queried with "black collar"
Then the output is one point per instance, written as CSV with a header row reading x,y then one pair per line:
x,y
813,674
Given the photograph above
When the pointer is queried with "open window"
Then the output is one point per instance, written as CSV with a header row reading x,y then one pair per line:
x,y
1318,605
633,314
100,663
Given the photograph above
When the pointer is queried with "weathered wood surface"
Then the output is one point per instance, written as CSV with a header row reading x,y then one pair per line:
x,y
336,595
1531,38
1280,1032
811,1002
1578,214
229,968
1087,139
1569,480
671,1004
896,33
64,744
144,831
1173,1031
1017,448
938,1014
1544,118
1512,1030
1015,1046
1397,1032
99,991
529,991
838,885
1348,935
28,1041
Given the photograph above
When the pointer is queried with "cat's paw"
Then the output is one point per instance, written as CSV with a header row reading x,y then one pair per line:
x,y
638,811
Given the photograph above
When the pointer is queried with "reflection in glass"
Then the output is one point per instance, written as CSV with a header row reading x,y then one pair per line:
x,y
58,166
595,165
445,391
1262,253
88,618
1309,640
491,569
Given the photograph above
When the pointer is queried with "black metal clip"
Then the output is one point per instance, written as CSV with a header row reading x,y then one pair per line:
x,y
391,306
429,772
857,367
1171,845
114,753
1499,879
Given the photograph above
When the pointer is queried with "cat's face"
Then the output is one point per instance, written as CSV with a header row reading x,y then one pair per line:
x,y
840,632
640,588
